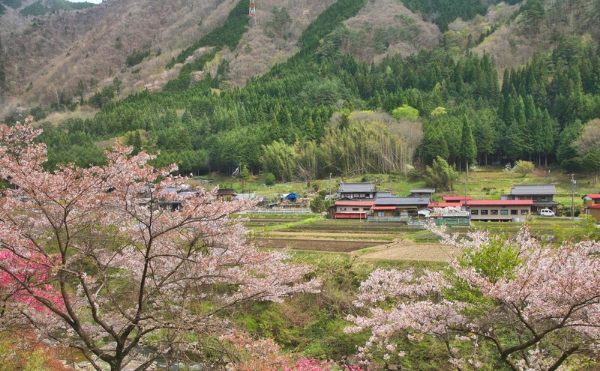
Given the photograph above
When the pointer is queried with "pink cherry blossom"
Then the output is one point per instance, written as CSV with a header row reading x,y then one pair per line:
x,y
536,305
93,259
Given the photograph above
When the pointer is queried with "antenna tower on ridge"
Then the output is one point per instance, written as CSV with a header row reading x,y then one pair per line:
x,y
252,11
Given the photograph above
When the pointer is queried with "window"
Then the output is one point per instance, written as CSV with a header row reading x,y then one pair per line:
x,y
381,213
514,212
474,212
524,212
355,209
366,208
503,212
484,212
342,209
494,212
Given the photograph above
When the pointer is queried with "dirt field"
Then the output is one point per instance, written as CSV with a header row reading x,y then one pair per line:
x,y
379,250
409,250
317,245
376,241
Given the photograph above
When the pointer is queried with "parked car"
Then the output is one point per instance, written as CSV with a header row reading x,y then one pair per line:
x,y
546,212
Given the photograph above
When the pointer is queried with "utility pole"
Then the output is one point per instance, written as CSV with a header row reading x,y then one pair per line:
x,y
466,186
329,186
573,182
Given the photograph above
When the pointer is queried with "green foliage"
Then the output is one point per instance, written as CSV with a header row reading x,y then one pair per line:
x,y
524,167
294,102
468,149
279,24
101,98
229,34
440,175
323,92
136,57
40,8
585,229
270,179
442,12
2,9
15,4
495,261
317,204
405,112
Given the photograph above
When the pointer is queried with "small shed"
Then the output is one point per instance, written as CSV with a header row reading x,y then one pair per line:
x,y
226,193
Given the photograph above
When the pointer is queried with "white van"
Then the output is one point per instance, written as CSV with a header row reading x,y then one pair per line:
x,y
546,212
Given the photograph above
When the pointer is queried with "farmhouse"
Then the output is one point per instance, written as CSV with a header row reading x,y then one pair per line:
x,y
591,205
357,191
422,192
499,210
541,194
394,208
352,209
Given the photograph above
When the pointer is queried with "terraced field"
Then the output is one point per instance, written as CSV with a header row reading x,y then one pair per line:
x,y
384,241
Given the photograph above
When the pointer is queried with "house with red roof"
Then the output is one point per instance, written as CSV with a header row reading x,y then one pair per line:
x,y
390,207
591,205
456,199
352,209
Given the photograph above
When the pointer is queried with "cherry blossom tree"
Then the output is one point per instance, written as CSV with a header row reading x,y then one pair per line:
x,y
97,259
502,303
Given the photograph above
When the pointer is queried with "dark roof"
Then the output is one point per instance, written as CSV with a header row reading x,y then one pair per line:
x,y
533,189
168,190
500,203
423,190
226,191
545,203
402,201
384,194
357,187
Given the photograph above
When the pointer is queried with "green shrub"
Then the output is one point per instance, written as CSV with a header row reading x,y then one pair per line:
x,y
270,179
136,57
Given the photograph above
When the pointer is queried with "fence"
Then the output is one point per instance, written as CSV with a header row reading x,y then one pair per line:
x,y
299,211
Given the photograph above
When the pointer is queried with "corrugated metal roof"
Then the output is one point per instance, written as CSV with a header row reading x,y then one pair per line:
x,y
423,190
499,202
533,189
356,187
593,196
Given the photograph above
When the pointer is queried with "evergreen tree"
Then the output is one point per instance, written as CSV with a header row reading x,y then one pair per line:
x,y
566,152
468,149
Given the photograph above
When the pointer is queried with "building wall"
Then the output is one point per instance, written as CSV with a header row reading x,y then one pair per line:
x,y
499,213
595,213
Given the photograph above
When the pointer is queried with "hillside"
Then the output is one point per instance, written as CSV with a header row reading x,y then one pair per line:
x,y
73,52
346,87
91,46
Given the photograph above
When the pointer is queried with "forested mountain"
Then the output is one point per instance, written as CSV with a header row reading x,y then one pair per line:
x,y
342,93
